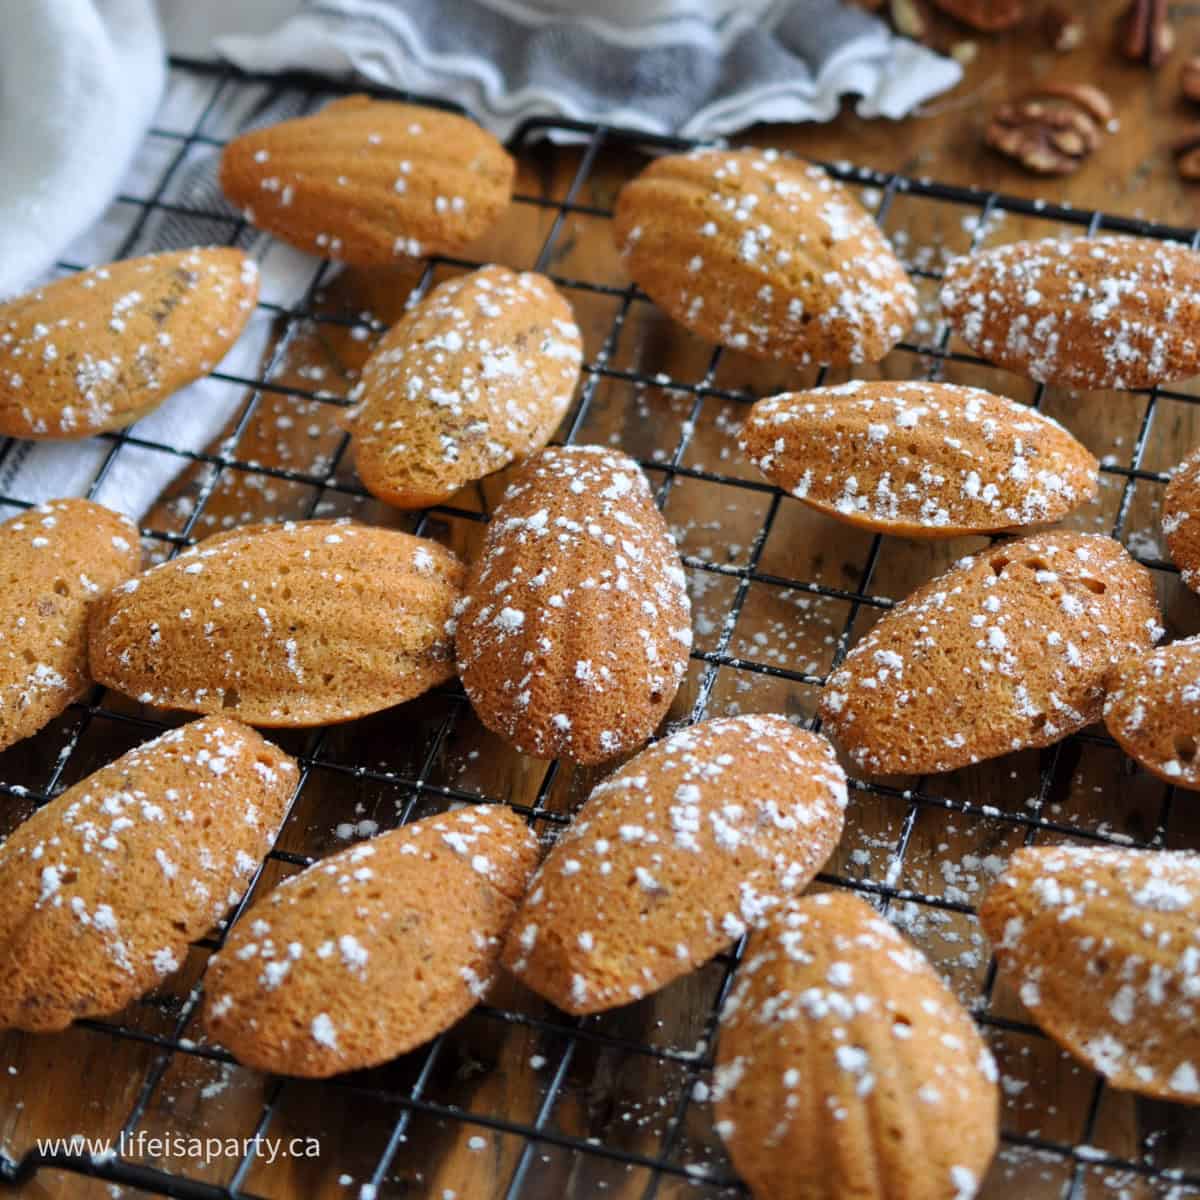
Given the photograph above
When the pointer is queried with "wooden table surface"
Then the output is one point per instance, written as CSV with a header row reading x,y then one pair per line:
x,y
1132,173
86,1081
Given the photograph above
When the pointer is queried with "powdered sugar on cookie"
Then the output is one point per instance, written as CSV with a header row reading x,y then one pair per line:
x,y
1105,312
574,629
765,254
1104,947
478,374
921,459
715,825
1008,649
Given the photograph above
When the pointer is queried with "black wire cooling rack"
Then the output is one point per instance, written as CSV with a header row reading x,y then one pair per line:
x,y
1099,1147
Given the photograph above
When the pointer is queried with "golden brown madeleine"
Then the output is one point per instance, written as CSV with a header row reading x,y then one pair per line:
x,y
299,624
919,459
55,560
374,950
1104,946
1105,312
575,625
1008,649
846,1070
672,858
1181,519
765,254
368,181
100,349
1153,710
478,374
106,885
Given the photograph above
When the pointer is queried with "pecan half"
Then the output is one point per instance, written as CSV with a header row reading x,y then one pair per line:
x,y
1084,95
1052,130
988,16
1144,33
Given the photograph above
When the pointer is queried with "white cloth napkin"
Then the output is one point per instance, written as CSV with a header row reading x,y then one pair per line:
x,y
697,68
80,79
79,82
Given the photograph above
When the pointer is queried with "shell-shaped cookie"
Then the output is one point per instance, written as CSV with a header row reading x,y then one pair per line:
x,y
1104,946
55,560
845,1068
575,625
766,254
367,181
1106,312
1181,519
100,349
1007,650
673,857
374,950
106,885
919,459
304,623
1153,710
478,374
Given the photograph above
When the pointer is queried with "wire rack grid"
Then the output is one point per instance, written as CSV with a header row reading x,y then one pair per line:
x,y
555,1128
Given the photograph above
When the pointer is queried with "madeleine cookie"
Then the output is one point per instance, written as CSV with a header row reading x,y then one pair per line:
x,y
103,348
373,951
845,1069
765,254
919,459
575,625
1007,650
672,858
1105,312
55,560
106,885
1104,945
305,623
366,181
1181,519
1153,710
478,374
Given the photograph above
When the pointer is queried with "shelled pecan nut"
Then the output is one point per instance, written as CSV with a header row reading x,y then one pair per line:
x,y
1144,33
1052,130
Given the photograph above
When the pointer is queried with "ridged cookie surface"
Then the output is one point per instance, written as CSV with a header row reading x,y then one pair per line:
x,y
846,1069
919,459
1181,519
1153,710
1105,312
55,560
1104,945
304,623
106,885
373,951
1007,650
102,348
765,254
575,625
366,181
673,857
478,374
